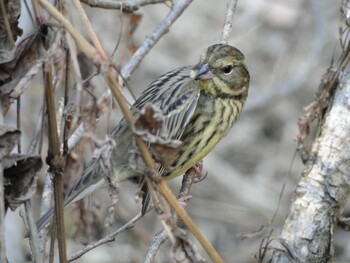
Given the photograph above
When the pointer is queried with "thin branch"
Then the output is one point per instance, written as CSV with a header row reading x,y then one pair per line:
x,y
128,5
231,8
88,26
106,239
38,130
34,238
67,120
47,201
78,87
150,41
18,120
85,47
159,239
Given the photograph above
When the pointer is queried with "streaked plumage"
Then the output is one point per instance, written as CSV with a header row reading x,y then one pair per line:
x,y
199,104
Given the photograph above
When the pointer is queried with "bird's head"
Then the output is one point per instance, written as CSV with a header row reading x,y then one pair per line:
x,y
222,72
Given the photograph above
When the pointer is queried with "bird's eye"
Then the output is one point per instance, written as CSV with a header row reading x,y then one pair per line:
x,y
227,69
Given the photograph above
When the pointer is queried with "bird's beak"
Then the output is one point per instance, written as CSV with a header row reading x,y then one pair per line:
x,y
203,73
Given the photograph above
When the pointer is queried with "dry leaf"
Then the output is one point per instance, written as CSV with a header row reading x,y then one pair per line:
x,y
315,111
9,137
134,21
20,175
17,67
149,125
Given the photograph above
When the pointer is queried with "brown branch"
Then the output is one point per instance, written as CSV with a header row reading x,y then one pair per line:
x,y
67,120
88,26
56,163
18,121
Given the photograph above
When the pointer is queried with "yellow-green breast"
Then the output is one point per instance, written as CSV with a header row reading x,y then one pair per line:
x,y
210,122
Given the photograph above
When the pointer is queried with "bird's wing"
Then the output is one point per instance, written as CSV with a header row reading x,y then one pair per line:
x,y
176,94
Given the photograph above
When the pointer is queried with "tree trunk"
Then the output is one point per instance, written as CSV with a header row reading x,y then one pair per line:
x,y
321,194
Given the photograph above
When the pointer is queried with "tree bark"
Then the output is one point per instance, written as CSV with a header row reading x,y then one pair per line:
x,y
321,194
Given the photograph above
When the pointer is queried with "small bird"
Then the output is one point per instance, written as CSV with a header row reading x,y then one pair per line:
x,y
199,105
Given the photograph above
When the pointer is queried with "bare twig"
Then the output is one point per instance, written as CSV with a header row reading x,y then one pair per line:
x,y
18,120
109,238
67,120
34,239
92,34
38,130
46,203
85,47
128,5
78,87
159,239
231,8
150,41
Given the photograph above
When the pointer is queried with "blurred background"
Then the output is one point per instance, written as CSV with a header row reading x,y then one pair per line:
x,y
288,46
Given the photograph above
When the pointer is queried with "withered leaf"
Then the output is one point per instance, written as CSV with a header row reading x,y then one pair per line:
x,y
304,128
134,21
14,66
9,137
9,60
20,176
149,125
315,112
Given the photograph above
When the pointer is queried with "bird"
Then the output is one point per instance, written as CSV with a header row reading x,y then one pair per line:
x,y
199,105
